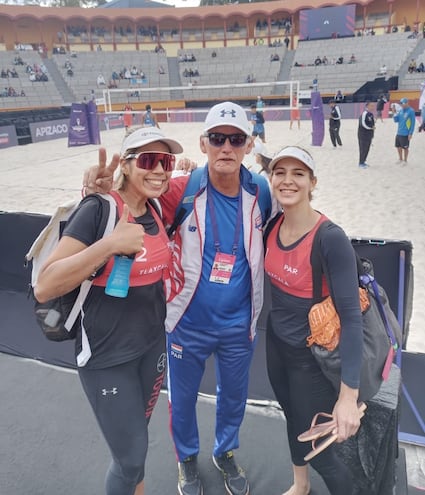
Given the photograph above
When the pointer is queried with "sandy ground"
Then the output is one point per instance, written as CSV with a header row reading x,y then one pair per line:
x,y
385,201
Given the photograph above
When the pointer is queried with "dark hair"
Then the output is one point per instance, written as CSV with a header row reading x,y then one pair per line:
x,y
148,107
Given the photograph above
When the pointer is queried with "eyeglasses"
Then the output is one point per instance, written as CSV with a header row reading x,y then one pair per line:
x,y
148,160
218,139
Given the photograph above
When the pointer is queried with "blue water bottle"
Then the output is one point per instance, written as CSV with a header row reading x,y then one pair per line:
x,y
119,279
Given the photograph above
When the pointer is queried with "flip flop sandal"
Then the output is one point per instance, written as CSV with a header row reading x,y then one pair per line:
x,y
317,448
318,430
321,446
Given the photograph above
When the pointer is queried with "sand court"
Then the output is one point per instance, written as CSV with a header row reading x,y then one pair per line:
x,y
385,201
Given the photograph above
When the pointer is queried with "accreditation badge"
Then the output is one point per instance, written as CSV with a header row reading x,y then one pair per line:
x,y
222,268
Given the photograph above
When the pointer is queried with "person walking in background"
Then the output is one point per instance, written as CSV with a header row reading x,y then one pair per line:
x,y
298,382
220,254
257,120
260,104
380,104
295,113
422,124
128,117
149,118
405,118
365,133
335,123
121,348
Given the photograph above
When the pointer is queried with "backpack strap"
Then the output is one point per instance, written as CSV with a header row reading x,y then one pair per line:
x,y
317,263
270,226
86,284
193,185
185,205
264,197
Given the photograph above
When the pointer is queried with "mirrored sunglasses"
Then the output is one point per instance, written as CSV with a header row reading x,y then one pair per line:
x,y
148,160
218,139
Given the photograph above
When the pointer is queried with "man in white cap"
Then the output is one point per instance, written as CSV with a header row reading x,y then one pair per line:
x,y
220,243
220,253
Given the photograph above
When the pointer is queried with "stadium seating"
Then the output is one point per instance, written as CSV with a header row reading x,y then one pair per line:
x,y
371,52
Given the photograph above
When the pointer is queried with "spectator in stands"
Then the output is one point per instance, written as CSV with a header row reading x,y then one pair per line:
x,y
13,73
340,60
412,66
70,72
115,76
325,60
18,61
287,41
274,57
382,70
100,81
315,86
32,77
22,93
318,61
339,97
4,74
353,59
214,54
380,104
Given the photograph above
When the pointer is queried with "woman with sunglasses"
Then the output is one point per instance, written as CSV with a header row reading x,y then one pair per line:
x,y
121,343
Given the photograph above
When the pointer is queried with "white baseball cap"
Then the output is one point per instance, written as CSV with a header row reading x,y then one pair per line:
x,y
294,152
228,113
146,135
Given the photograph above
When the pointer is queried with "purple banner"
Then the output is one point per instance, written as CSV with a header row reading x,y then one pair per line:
x,y
317,119
93,122
8,136
78,132
51,129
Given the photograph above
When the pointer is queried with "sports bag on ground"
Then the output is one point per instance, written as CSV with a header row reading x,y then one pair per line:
x,y
59,318
381,331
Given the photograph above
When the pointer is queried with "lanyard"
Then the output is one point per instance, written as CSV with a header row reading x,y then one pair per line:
x,y
216,236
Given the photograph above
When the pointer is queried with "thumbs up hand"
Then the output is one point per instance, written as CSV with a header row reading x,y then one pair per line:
x,y
128,236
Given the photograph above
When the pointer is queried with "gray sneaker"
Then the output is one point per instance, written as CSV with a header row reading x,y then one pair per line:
x,y
234,476
189,482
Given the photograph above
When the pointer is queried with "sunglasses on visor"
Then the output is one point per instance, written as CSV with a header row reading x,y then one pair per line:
x,y
218,139
148,160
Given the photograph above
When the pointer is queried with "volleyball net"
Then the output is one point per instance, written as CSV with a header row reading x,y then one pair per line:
x,y
284,96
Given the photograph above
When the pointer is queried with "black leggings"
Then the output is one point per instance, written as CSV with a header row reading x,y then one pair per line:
x,y
302,391
334,126
122,398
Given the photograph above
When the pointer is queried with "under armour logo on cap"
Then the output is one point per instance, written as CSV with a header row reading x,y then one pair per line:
x,y
223,113
228,113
